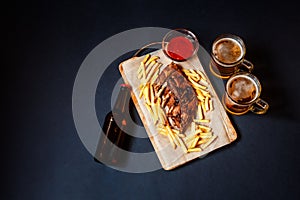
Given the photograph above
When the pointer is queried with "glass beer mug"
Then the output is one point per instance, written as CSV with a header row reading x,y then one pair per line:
x,y
243,94
228,52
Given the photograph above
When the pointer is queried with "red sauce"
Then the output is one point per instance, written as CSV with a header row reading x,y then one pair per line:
x,y
180,48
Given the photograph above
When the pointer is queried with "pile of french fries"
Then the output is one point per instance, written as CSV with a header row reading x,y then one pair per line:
x,y
149,69
201,135
200,84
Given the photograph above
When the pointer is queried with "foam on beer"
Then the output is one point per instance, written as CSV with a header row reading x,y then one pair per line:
x,y
242,89
228,50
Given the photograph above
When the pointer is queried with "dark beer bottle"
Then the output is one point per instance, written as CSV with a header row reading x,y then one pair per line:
x,y
108,149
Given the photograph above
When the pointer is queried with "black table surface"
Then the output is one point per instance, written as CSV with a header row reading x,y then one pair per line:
x,y
43,155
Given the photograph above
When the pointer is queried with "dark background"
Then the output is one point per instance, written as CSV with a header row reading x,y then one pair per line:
x,y
43,155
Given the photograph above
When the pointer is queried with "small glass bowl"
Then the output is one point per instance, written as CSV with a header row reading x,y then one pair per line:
x,y
180,44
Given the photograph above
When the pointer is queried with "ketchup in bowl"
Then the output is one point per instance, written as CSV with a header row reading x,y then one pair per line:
x,y
180,48
180,44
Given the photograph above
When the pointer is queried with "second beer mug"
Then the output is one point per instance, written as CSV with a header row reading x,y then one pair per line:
x,y
242,94
228,52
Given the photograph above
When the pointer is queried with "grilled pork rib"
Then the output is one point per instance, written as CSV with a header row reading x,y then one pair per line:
x,y
179,100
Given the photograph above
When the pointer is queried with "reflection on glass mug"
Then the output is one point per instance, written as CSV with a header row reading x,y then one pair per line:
x,y
242,94
228,52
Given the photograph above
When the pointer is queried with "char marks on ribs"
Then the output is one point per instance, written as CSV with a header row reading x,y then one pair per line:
x,y
178,99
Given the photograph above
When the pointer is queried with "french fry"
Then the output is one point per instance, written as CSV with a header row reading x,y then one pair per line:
x,y
200,95
194,150
153,78
206,104
151,94
194,143
182,145
146,58
193,71
189,143
141,67
197,85
162,89
200,114
210,105
141,71
202,75
206,135
203,106
155,115
190,137
148,63
172,135
171,141
198,131
201,120
146,94
149,109
202,141
205,93
162,131
158,111
203,81
158,100
152,59
195,77
161,114
142,86
204,128
191,74
140,75
152,72
144,71
169,129
203,146
149,67
175,131
200,98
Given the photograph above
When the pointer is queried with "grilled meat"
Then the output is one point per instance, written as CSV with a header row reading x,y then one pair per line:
x,y
179,100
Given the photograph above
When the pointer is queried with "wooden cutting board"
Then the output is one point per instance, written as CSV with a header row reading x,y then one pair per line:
x,y
169,157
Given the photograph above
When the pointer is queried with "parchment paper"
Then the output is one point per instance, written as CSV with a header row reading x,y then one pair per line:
x,y
168,156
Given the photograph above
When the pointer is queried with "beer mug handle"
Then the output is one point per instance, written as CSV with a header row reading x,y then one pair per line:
x,y
259,107
247,65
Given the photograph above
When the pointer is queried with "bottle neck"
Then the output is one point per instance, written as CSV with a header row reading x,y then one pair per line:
x,y
122,102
